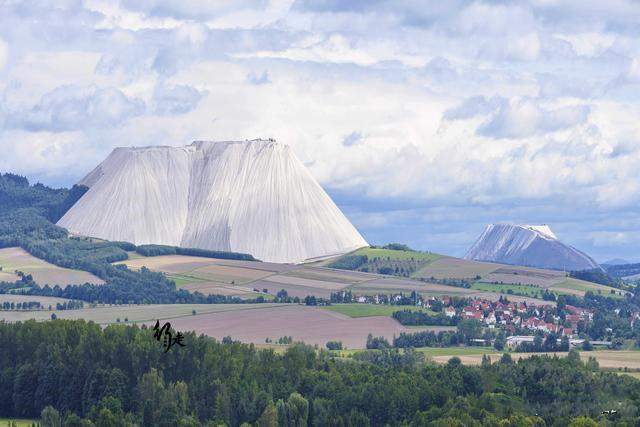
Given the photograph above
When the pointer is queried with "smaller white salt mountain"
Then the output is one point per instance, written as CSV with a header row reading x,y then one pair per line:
x,y
528,245
252,197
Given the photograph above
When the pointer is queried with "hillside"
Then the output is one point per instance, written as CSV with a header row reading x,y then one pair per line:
x,y
465,274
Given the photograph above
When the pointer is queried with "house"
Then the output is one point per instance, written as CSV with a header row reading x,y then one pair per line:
x,y
516,340
490,319
450,311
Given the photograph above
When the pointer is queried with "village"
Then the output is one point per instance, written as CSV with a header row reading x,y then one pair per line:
x,y
521,322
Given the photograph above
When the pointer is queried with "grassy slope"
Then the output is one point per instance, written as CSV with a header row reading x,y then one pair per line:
x,y
12,259
517,289
396,255
583,286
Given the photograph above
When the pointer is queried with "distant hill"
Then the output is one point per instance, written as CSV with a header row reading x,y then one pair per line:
x,y
616,261
625,271
528,245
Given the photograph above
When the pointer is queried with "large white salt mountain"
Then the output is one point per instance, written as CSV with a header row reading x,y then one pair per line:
x,y
528,245
253,197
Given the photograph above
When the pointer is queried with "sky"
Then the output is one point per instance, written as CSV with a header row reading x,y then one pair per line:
x,y
424,120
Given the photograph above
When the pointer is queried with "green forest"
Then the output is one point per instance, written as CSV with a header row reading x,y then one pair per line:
x,y
78,374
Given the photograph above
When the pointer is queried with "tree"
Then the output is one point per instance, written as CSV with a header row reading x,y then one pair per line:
x,y
334,345
500,341
269,417
24,389
583,422
50,417
470,328
294,412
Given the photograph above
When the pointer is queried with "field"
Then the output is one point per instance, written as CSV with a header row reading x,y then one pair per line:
x,y
368,310
455,268
134,313
244,278
44,301
528,290
12,259
579,287
250,323
397,255
607,359
456,351
631,374
491,277
308,324
18,422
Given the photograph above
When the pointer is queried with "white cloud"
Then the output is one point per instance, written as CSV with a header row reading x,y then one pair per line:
x,y
520,118
178,99
427,118
75,107
4,53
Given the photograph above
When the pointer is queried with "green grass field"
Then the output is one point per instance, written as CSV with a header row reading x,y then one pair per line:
x,y
581,287
527,290
18,422
436,351
397,255
456,351
631,374
369,310
182,279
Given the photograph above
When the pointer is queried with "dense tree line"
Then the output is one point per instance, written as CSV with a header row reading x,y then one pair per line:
x,y
466,331
156,250
120,376
595,275
349,262
552,342
420,318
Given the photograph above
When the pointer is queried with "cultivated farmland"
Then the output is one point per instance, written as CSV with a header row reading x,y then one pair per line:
x,y
12,259
133,313
243,278
309,324
455,268
44,301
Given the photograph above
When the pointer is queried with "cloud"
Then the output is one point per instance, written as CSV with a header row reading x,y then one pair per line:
x,y
473,107
178,99
191,9
472,111
75,107
352,139
521,118
4,53
261,79
335,5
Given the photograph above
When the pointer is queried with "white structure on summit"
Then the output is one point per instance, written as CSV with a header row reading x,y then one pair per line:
x,y
253,197
528,245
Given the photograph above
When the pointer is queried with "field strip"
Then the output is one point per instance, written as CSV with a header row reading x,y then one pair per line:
x,y
179,316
